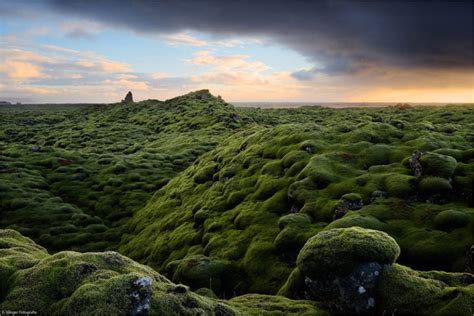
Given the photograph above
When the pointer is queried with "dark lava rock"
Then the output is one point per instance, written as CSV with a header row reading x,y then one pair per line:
x,y
341,268
348,202
415,163
140,295
354,293
378,119
399,125
470,259
223,310
128,97
339,211
378,195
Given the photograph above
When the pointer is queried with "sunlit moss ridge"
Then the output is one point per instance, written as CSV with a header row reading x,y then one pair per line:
x,y
260,194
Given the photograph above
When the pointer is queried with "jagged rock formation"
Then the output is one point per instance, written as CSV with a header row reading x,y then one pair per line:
x,y
415,163
128,98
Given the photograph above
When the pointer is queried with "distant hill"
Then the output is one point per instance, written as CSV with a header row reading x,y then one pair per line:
x,y
71,175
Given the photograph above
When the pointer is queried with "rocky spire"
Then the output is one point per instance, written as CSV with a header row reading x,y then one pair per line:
x,y
128,97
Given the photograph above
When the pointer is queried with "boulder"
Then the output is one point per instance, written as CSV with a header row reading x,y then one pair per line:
x,y
378,195
352,271
378,119
341,266
348,202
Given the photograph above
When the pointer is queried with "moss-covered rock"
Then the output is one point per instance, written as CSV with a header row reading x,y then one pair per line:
x,y
399,185
353,200
200,271
255,304
295,286
16,253
438,165
295,228
72,283
339,250
408,292
451,219
341,267
434,185
352,270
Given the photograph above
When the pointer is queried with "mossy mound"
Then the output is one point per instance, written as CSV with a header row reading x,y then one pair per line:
x,y
438,165
264,191
193,176
256,304
434,185
339,250
72,176
408,292
451,219
16,252
352,271
72,283
201,272
295,230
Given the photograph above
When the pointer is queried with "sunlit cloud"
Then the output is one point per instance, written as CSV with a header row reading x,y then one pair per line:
x,y
126,76
226,62
104,65
20,70
75,76
183,39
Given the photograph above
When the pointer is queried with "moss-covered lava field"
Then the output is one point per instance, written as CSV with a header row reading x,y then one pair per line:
x,y
192,206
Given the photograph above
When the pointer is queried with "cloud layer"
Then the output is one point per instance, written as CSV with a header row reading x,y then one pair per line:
x,y
354,50
337,36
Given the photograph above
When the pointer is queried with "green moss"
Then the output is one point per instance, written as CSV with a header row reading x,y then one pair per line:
x,y
16,253
299,220
351,197
358,219
399,185
293,157
71,283
205,174
451,219
253,167
438,165
294,285
254,304
273,168
204,291
434,185
329,269
400,289
278,203
200,271
290,240
375,155
339,250
108,162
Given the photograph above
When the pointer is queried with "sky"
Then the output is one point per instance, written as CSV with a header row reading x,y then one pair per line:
x,y
87,51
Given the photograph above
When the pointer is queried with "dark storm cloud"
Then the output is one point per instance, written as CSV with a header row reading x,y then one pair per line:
x,y
338,36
